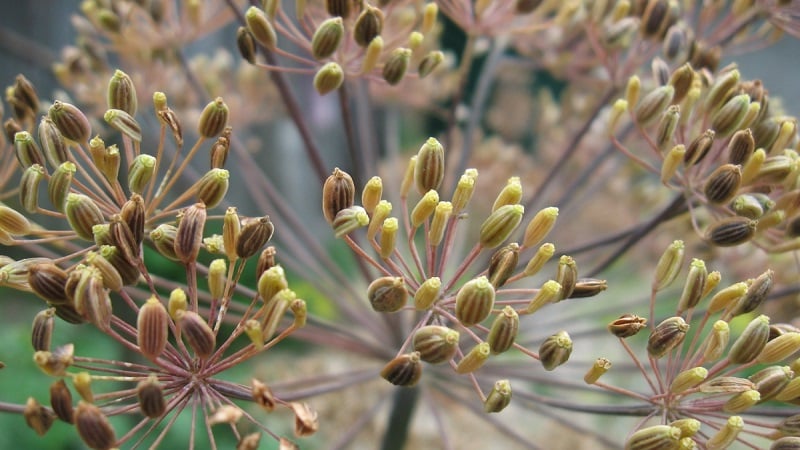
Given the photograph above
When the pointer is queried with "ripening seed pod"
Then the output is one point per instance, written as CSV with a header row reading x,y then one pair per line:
x,y
388,239
231,229
752,167
747,205
786,443
42,329
694,287
48,281
726,385
698,148
555,350
653,105
59,184
791,392
474,301
441,216
150,396
588,287
404,370
381,213
82,215
338,193
369,24
464,190
504,330
667,126
751,342
395,67
152,328
54,147
436,344
682,79
786,133
474,359
61,401
246,44
56,362
717,341
688,379
500,224
429,167
82,381
348,220
498,398
566,275
387,294
722,184
260,27
371,55
12,222
656,437
731,231
539,227
271,281
667,335
127,271
328,78
189,234
429,63
23,98
213,119
779,348
93,427
538,260
726,435
124,123
428,293
771,380
92,300
197,333
741,147
598,369
254,235
510,194
37,417
688,427
141,172
71,122
371,194
29,187
327,38
163,238
719,91
502,264
424,208
671,163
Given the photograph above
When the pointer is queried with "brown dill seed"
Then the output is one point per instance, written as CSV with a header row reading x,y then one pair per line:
x,y
72,123
588,287
189,235
504,331
436,344
48,281
666,336
698,148
255,233
92,300
396,65
741,146
263,395
502,264
152,328
53,145
246,44
42,330
29,187
751,342
653,105
498,398
566,275
59,184
150,396
338,193
61,401
213,118
555,350
723,183
93,427
404,370
731,231
197,333
121,93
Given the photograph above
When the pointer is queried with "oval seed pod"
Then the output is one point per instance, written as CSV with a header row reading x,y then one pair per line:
x,y
189,234
338,193
770,381
741,147
510,194
163,238
429,168
473,360
150,396
259,25
653,105
121,93
504,331
780,348
369,25
717,341
688,379
555,350
550,292
61,401
436,344
694,287
786,443
82,214
500,224
729,118
428,293
48,281
751,342
246,44
474,301
698,148
722,184
464,190
538,260
152,328
214,118
498,398
666,336
197,333
731,231
726,435
349,220
540,226
404,370
37,417
756,294
72,123
567,275
424,208
387,294
58,187
327,37
53,145
502,264
124,123
42,329
657,437
13,222
429,63
328,78
395,67
29,187
388,239
271,281
93,427
254,235
371,194
441,216
141,172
